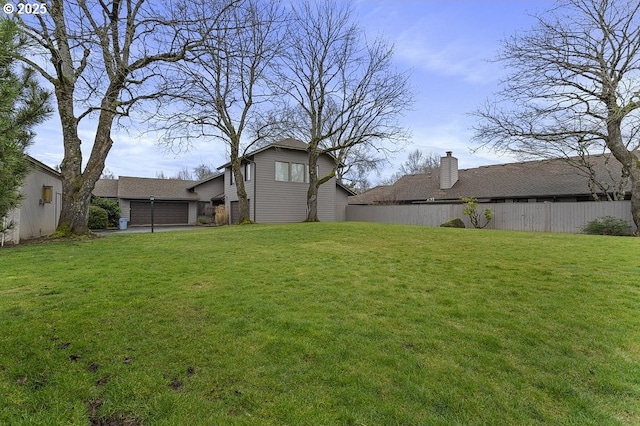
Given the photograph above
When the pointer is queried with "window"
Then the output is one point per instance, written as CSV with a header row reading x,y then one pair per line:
x,y
233,179
47,194
297,172
247,171
282,171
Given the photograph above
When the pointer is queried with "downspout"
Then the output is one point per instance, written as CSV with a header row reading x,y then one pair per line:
x,y
255,204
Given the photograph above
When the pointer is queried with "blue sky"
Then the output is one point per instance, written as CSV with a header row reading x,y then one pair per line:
x,y
447,45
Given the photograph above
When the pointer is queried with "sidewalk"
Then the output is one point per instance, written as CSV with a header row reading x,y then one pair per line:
x,y
145,229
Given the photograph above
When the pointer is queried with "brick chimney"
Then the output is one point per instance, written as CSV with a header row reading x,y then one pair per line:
x,y
448,171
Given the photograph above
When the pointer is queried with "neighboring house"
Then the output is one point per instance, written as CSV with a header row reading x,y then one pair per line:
x,y
277,179
530,181
39,211
174,203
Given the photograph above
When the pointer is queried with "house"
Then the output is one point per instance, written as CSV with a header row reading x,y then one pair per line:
x,y
276,180
550,180
173,204
39,211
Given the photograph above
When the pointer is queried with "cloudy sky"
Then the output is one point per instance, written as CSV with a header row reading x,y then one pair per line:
x,y
447,45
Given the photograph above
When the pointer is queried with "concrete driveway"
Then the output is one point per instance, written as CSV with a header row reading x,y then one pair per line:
x,y
146,229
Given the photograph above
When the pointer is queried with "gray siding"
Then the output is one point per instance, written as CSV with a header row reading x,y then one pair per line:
x,y
541,217
342,200
231,191
210,189
280,202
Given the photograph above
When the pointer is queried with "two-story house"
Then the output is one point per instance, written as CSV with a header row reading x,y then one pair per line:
x,y
276,179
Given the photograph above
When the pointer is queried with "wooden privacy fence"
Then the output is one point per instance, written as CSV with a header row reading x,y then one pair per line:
x,y
541,217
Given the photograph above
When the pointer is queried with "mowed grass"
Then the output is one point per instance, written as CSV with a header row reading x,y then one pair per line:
x,y
322,324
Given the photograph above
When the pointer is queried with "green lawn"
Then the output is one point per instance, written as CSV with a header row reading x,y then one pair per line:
x,y
322,324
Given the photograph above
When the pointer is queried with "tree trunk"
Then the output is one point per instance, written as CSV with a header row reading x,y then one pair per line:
x,y
77,185
630,162
243,201
312,192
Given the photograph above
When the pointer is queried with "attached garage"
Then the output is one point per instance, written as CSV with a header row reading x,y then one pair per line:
x,y
164,213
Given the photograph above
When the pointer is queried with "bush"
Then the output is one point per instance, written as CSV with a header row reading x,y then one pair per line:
x,y
607,225
221,218
454,223
470,210
204,220
98,217
112,208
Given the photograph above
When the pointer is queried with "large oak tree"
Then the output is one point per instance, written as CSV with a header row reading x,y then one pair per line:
x,y
103,59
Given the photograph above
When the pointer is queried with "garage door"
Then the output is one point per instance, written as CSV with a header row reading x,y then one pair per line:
x,y
164,213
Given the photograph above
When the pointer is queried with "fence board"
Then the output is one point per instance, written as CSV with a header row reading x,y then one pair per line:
x,y
535,217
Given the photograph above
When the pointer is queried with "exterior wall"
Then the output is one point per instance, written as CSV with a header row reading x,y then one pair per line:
x,y
281,202
34,219
210,189
342,200
540,217
125,209
11,235
231,191
193,212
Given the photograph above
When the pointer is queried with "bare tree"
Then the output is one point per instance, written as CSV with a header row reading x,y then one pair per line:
x,y
203,171
225,90
357,166
343,90
107,174
184,174
103,58
573,87
416,162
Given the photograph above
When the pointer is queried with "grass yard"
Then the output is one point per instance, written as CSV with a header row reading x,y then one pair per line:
x,y
322,324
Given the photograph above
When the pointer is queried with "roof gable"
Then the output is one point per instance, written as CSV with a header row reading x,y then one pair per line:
x,y
215,176
288,143
41,166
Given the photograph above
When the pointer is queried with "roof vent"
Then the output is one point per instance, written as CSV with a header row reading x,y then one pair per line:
x,y
448,171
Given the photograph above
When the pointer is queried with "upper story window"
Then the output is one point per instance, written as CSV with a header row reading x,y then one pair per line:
x,y
246,172
292,172
282,171
298,172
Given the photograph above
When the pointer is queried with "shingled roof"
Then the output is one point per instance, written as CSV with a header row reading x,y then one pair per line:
x,y
288,143
529,179
136,188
